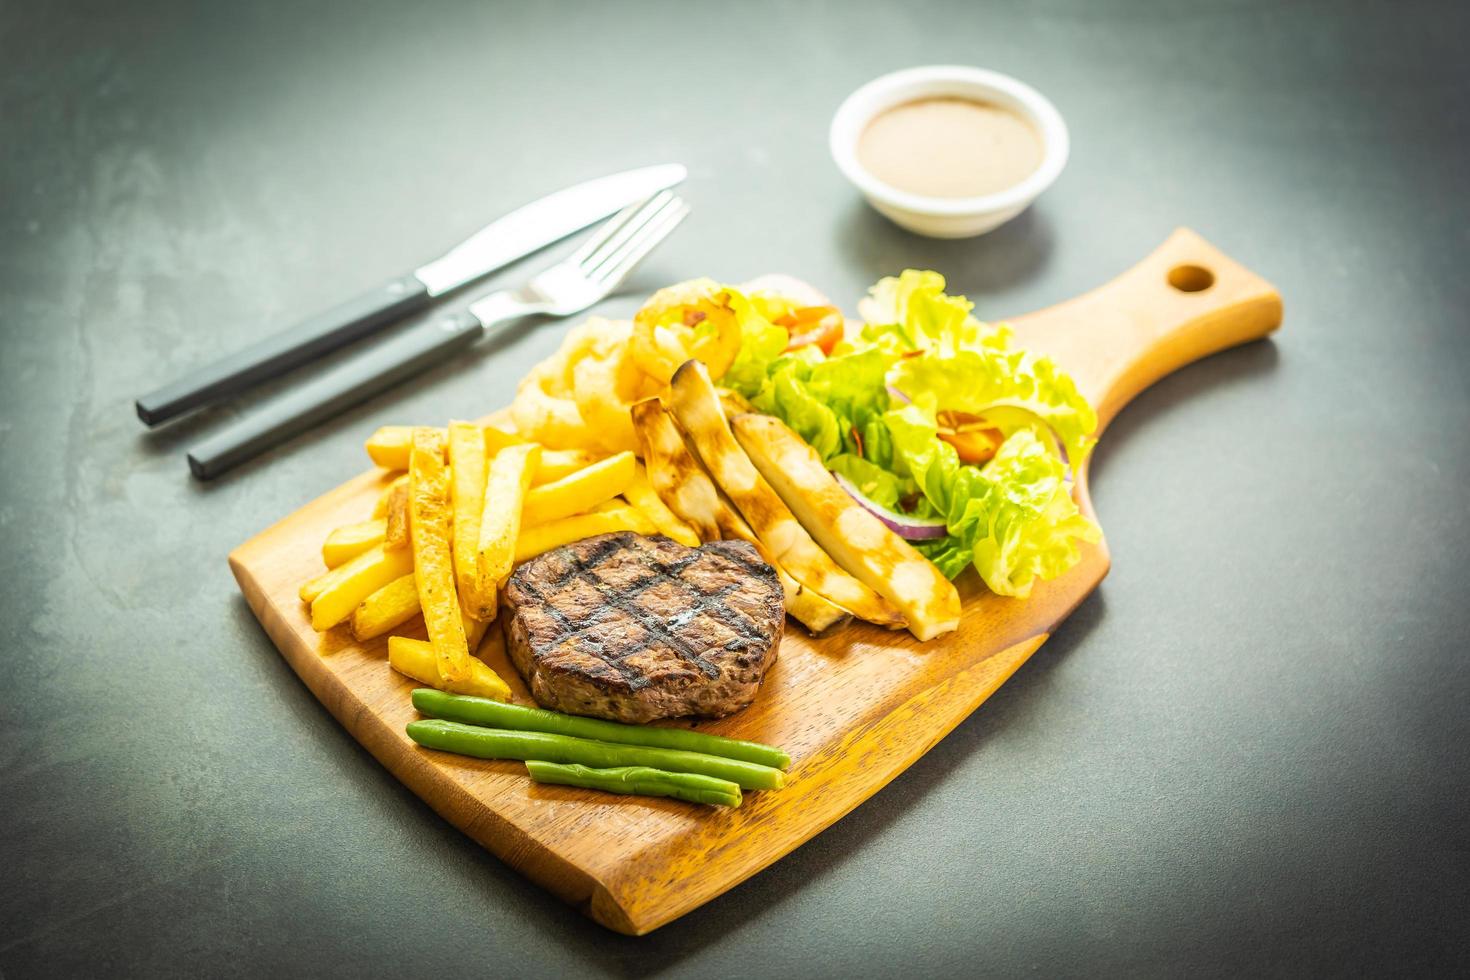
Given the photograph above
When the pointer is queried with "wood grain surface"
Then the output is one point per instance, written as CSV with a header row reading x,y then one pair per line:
x,y
853,709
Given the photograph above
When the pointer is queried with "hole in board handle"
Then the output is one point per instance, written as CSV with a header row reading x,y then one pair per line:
x,y
1191,278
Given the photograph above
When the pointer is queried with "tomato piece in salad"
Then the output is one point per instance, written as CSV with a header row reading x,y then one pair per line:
x,y
820,325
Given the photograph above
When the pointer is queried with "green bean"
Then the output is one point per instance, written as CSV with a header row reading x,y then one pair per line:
x,y
497,743
639,781
498,714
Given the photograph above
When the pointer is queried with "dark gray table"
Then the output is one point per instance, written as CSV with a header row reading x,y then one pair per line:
x,y
1246,753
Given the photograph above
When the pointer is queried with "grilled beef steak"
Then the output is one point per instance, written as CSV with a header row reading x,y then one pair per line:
x,y
634,628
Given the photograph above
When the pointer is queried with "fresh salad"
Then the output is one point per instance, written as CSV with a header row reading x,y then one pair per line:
x,y
959,440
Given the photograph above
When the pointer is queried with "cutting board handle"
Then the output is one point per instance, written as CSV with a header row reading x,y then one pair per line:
x,y
1185,301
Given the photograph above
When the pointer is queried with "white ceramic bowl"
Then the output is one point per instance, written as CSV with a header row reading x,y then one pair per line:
x,y
948,217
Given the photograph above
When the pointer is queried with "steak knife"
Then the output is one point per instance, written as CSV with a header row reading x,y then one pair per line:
x,y
514,236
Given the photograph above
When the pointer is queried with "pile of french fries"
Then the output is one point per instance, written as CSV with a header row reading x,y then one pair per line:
x,y
472,502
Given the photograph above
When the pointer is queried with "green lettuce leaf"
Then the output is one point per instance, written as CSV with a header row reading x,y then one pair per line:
x,y
949,554
1034,525
1013,519
1010,389
773,306
787,396
835,403
761,343
876,483
913,312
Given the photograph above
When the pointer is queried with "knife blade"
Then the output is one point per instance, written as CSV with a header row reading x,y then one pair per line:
x,y
514,236
542,222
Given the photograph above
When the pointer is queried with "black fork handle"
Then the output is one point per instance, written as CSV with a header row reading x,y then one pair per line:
x,y
334,392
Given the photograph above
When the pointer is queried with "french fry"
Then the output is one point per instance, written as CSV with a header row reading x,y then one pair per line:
x,y
380,509
395,535
543,537
500,522
557,463
395,604
640,494
433,559
346,543
355,581
580,491
497,439
415,659
474,633
636,518
389,446
314,587
467,462
386,609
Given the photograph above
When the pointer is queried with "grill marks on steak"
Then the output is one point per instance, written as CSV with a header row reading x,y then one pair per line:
x,y
648,592
636,628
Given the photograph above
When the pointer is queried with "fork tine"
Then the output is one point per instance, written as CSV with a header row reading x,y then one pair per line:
x,y
603,233
618,265
616,230
609,256
606,230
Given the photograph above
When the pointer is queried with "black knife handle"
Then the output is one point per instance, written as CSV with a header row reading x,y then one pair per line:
x,y
277,354
334,392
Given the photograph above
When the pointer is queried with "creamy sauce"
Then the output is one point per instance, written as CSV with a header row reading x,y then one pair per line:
x,y
950,148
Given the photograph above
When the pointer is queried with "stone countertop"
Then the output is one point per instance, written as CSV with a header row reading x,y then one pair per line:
x,y
1244,754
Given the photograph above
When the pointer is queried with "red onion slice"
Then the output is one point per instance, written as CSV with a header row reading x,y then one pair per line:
x,y
904,525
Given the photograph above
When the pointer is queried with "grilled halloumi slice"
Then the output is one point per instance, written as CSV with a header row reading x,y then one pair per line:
x,y
696,406
677,477
804,605
856,540
686,489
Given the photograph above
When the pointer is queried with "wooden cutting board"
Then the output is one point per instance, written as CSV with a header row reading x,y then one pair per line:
x,y
854,709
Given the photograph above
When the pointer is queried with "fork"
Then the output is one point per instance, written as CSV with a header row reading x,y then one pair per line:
x,y
586,277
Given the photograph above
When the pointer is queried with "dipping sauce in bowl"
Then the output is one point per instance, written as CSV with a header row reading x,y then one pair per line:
x,y
949,151
950,148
